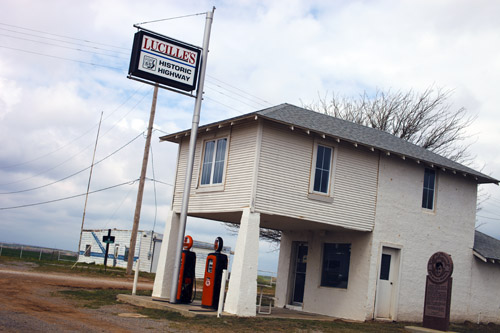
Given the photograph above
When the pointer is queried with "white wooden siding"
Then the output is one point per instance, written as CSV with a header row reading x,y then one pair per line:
x,y
283,181
239,170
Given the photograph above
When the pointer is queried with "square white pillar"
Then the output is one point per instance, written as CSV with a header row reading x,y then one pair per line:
x,y
282,280
163,279
242,291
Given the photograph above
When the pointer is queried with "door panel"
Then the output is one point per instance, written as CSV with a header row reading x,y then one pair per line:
x,y
299,273
387,283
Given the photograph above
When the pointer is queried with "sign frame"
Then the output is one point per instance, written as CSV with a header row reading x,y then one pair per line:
x,y
181,61
108,239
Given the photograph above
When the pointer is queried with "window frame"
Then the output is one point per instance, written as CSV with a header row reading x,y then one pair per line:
x,y
126,253
341,284
427,189
211,185
328,195
88,250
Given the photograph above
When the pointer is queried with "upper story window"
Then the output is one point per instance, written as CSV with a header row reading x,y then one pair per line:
x,y
429,189
322,169
214,159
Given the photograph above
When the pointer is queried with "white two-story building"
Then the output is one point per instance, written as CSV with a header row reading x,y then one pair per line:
x,y
361,212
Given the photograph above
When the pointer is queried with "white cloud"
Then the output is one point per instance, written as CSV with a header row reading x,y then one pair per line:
x,y
51,97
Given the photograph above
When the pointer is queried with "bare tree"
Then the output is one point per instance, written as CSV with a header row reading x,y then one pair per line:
x,y
270,235
425,119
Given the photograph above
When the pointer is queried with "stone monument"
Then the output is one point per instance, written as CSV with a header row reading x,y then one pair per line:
x,y
438,292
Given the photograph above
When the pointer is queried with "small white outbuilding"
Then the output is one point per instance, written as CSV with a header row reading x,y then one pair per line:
x,y
147,248
93,249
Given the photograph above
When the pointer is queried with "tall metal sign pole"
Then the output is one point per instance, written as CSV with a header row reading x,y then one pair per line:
x,y
192,146
140,192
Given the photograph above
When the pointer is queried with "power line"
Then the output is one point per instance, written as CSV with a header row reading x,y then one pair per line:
x,y
225,105
233,89
49,169
236,88
70,197
233,98
68,37
159,181
64,47
76,173
170,18
489,218
62,58
126,114
121,203
81,151
494,199
78,137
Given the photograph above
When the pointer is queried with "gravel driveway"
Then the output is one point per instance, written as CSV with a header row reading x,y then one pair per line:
x,y
28,304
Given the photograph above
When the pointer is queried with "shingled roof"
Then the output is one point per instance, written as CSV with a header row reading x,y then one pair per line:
x,y
487,247
342,130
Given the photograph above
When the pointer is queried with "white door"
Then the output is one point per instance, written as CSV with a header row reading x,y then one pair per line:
x,y
387,283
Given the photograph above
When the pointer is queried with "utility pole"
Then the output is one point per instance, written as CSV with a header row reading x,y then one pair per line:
x,y
192,147
88,186
140,192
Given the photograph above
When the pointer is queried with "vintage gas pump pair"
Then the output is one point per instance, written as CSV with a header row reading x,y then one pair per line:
x,y
216,263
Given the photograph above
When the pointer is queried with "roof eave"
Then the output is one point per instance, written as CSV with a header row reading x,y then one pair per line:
x,y
478,178
176,137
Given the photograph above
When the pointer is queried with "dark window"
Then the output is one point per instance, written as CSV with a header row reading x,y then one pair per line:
x,y
385,267
125,255
322,169
429,189
335,270
300,273
213,162
87,250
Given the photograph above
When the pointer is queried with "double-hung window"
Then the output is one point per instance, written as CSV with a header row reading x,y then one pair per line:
x,y
322,169
214,160
429,189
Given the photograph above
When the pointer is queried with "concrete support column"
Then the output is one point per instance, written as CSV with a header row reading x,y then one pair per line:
x,y
163,279
242,291
284,261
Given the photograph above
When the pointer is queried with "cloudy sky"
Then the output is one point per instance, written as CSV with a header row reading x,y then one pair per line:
x,y
62,63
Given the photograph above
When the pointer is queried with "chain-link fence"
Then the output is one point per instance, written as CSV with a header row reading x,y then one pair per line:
x,y
36,253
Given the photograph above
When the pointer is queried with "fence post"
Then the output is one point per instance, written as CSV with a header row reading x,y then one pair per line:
x,y
21,254
40,258
136,276
1,247
58,255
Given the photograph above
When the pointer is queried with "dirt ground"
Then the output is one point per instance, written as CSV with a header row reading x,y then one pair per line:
x,y
27,304
30,302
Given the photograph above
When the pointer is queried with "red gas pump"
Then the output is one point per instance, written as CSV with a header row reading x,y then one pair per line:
x,y
216,263
186,273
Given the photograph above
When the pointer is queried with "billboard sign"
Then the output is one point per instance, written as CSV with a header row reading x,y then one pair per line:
x,y
165,60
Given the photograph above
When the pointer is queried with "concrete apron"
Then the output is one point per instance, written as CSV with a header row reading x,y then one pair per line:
x,y
195,309
416,329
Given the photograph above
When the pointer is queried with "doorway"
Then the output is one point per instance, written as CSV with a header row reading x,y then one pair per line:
x,y
387,284
299,257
